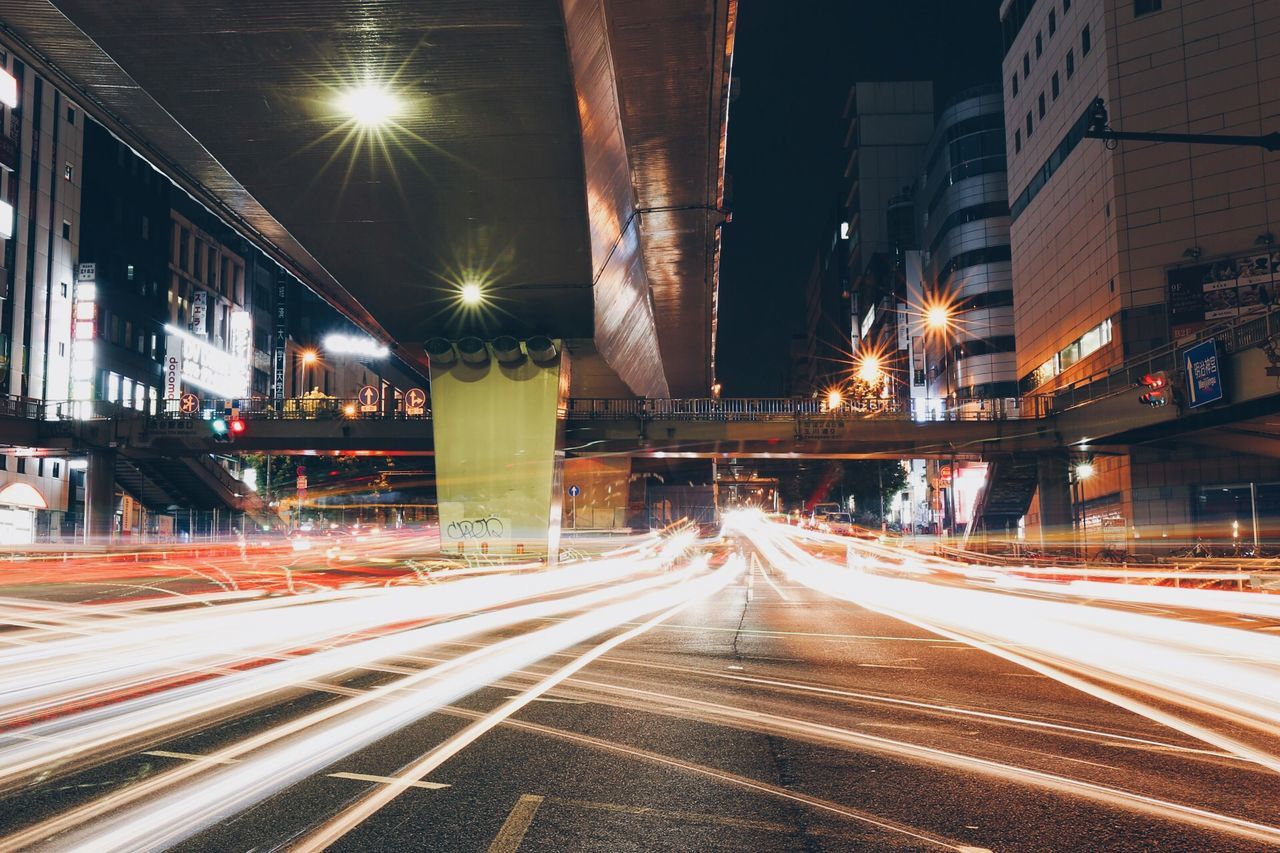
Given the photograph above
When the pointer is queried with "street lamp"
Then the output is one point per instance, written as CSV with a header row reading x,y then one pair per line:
x,y
1083,471
834,399
471,294
309,357
869,368
938,318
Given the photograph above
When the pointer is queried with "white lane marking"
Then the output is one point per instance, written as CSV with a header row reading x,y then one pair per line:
x,y
187,756
551,699
888,666
359,777
963,849
733,666
389,780
773,585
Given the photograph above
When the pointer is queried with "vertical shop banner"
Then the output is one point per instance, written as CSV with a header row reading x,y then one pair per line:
x,y
172,367
199,312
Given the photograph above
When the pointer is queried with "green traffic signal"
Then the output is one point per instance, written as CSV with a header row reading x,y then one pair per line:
x,y
219,426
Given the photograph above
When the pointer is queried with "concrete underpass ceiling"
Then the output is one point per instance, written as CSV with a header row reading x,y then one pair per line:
x,y
566,156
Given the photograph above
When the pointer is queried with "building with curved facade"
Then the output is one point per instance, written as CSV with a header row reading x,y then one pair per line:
x,y
962,205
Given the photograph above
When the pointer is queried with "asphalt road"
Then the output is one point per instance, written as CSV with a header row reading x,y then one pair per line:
x,y
767,717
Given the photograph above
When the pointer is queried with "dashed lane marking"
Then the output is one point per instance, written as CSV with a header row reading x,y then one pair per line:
x,y
359,777
388,780
516,825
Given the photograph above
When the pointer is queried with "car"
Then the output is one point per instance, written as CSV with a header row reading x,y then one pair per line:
x,y
837,522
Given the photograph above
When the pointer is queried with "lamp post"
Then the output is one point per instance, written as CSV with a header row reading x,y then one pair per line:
x,y
309,357
1082,471
938,317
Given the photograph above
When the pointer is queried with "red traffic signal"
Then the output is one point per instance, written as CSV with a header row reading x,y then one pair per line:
x,y
1158,391
237,426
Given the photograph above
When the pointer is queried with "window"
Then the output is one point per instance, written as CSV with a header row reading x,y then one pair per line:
x,y
22,465
1029,125
71,115
1014,82
1041,105
146,228
1066,6
4,462
64,290
68,170
40,467
66,230
1143,7
1071,64
1017,141
57,470
1053,22
62,349
184,245
1026,66
128,272
1053,85
1039,45
1086,41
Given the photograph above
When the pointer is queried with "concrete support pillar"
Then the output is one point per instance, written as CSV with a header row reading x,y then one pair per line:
x,y
100,495
1054,493
498,419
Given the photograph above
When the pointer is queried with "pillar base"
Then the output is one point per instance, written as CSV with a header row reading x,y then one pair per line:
x,y
499,447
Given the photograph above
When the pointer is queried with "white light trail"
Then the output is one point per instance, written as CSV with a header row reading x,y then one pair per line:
x,y
1230,674
164,812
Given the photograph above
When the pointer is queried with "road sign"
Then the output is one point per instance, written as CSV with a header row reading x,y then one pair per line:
x,y
1204,376
415,400
574,491
368,398
189,403
302,482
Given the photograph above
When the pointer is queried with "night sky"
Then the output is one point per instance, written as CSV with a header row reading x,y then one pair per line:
x,y
794,63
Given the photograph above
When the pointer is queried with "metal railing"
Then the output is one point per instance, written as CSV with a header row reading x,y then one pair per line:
x,y
21,407
293,409
1233,336
919,410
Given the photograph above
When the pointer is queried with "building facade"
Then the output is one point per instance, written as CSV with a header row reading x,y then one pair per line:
x,y
889,125
1117,249
963,209
40,173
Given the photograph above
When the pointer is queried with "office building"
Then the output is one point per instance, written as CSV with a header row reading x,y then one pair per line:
x,y
40,148
1117,249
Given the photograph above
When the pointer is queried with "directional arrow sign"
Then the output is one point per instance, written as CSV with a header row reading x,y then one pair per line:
x,y
415,399
368,398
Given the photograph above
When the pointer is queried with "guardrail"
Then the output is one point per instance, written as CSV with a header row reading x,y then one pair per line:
x,y
919,410
1234,336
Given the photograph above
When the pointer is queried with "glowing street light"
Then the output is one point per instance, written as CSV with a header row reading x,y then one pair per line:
x,y
471,294
870,368
1084,470
937,317
309,357
369,105
834,398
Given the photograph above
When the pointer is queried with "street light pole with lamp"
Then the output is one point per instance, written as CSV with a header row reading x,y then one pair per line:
x,y
1081,472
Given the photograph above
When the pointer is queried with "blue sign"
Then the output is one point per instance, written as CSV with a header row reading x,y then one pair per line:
x,y
574,491
368,396
1204,376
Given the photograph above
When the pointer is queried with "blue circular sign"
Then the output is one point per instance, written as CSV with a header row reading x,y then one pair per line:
x,y
574,491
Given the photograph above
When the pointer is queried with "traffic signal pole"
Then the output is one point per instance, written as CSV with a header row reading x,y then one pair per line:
x,y
1099,129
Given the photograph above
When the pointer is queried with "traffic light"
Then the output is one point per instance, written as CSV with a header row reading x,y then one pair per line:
x,y
221,430
1158,392
237,427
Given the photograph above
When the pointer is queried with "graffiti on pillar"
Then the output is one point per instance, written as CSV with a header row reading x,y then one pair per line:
x,y
476,528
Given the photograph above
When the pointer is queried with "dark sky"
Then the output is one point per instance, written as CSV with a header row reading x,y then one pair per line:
x,y
794,63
